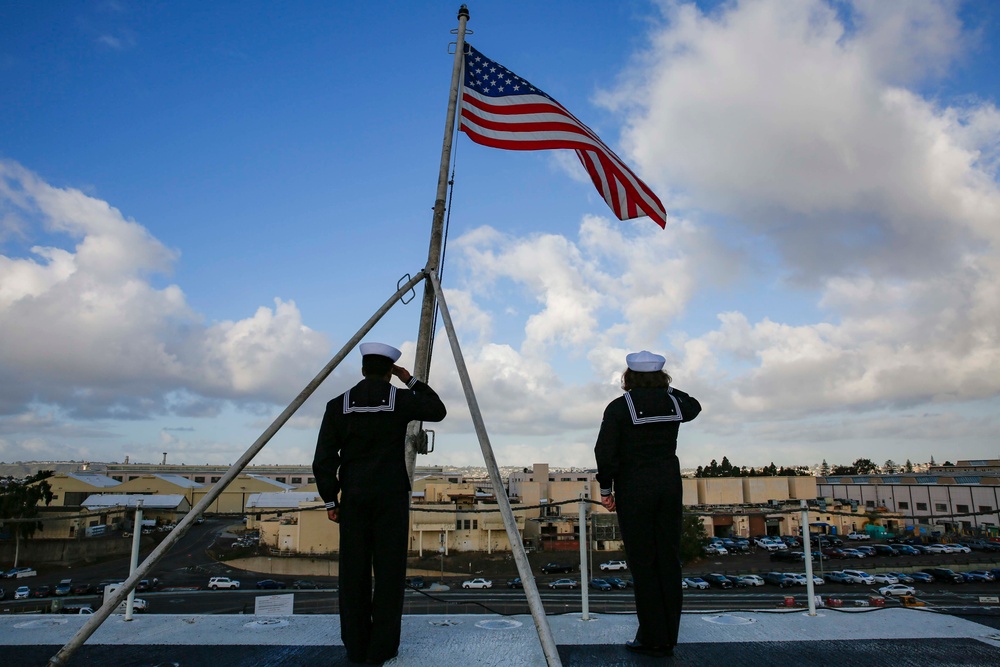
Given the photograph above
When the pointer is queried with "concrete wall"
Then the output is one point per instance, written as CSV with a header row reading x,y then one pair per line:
x,y
35,552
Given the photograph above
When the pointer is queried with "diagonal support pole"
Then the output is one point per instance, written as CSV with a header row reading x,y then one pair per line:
x,y
97,619
510,523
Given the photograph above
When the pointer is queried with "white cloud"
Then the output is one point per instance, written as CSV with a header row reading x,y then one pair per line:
x,y
85,328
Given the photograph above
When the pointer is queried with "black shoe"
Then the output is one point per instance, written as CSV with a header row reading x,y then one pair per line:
x,y
652,651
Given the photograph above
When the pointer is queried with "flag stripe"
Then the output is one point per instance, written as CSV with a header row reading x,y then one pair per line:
x,y
501,110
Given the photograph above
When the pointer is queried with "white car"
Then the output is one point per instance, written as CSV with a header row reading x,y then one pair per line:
x,y
614,565
684,584
752,580
897,589
769,544
22,593
715,549
215,583
859,577
138,605
853,553
938,549
885,579
477,583
961,548
696,582
858,536
802,579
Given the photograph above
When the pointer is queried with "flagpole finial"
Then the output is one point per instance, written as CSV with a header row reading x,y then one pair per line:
x,y
463,11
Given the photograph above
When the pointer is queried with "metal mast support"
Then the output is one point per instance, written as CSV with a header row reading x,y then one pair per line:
x,y
510,523
428,309
93,622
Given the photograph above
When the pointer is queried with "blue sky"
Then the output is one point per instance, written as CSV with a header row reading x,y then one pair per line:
x,y
200,203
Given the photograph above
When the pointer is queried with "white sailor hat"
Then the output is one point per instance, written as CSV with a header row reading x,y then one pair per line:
x,y
380,349
645,362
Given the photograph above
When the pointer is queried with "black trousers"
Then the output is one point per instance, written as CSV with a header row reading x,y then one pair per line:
x,y
373,538
650,518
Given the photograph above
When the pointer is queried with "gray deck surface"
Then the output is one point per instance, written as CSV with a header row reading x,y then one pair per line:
x,y
895,636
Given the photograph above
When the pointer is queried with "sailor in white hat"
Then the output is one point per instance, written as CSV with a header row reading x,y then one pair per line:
x,y
360,469
640,478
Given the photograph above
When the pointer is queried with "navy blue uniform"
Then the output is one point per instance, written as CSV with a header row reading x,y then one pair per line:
x,y
636,458
360,468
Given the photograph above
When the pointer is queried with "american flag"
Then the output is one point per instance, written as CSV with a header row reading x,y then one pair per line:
x,y
502,110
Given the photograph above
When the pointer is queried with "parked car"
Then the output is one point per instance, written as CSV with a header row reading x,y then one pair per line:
x,y
717,580
896,590
270,584
885,578
138,605
853,553
696,582
515,583
858,536
715,549
610,566
559,568
938,549
42,592
416,583
20,572
945,574
977,576
905,550
83,588
961,548
302,584
64,587
787,556
921,578
478,582
903,577
833,552
617,582
751,580
838,577
802,579
22,593
868,551
769,544
884,550
564,583
779,579
215,583
859,577
600,584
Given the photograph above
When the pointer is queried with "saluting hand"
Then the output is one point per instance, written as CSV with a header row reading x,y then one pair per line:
x,y
403,374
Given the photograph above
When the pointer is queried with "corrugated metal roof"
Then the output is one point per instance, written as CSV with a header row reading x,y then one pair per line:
x,y
177,480
152,501
281,499
94,479
891,479
967,479
926,480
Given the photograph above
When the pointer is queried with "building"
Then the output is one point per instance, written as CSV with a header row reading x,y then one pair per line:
x,y
928,503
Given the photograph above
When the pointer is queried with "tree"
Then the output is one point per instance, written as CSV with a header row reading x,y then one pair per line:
x,y
726,468
824,469
19,500
908,466
889,467
693,537
865,466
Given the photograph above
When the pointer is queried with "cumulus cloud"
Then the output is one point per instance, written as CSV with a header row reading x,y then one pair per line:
x,y
86,329
796,137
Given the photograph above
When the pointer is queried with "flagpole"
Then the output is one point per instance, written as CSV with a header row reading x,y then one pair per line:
x,y
428,310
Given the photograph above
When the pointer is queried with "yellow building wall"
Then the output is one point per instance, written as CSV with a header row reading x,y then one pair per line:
x,y
762,489
720,490
62,484
802,488
689,485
